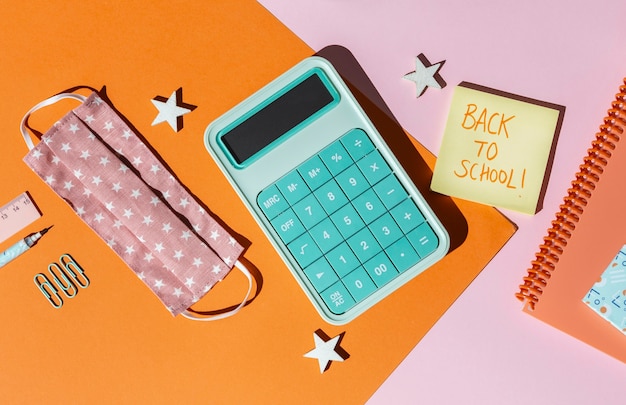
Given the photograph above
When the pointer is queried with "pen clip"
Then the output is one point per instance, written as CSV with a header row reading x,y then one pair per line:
x,y
48,290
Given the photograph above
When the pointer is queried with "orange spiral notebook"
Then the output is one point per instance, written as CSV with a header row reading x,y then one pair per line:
x,y
585,236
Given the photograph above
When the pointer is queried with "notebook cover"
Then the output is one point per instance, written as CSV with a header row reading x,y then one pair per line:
x,y
595,240
114,342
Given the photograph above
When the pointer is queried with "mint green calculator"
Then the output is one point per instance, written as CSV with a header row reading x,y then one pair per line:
x,y
325,188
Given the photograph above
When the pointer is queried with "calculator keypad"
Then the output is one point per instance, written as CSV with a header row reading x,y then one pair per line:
x,y
348,221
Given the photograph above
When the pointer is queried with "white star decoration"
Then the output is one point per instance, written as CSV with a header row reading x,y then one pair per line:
x,y
172,109
425,75
325,350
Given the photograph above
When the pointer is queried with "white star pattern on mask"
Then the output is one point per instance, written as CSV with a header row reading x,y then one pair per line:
x,y
189,282
125,208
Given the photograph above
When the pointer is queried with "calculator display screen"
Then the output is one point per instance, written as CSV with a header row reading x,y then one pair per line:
x,y
276,118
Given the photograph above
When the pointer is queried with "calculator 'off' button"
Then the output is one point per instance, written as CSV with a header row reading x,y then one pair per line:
x,y
288,226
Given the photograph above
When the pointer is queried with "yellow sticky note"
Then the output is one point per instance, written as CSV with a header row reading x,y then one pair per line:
x,y
496,148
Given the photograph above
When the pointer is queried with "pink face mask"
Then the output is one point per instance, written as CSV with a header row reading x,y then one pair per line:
x,y
94,161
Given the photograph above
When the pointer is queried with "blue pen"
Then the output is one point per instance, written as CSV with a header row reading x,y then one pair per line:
x,y
21,246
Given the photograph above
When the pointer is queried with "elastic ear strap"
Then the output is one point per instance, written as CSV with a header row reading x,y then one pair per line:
x,y
190,315
45,103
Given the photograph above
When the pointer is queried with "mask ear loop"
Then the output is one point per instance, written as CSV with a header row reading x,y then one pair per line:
x,y
246,272
39,106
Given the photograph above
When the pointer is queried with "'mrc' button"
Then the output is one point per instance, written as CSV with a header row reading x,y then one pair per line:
x,y
272,202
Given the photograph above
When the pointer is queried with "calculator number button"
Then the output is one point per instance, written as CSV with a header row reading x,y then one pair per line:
x,y
347,221
309,211
352,182
364,245
385,230
369,206
342,259
380,269
326,235
331,197
359,284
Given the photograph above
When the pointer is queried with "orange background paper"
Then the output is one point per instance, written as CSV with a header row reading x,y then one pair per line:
x,y
114,342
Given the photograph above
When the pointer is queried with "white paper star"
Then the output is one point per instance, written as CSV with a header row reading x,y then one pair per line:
x,y
425,75
172,109
325,350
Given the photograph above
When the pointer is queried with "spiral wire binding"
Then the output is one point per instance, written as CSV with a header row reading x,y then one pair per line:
x,y
574,202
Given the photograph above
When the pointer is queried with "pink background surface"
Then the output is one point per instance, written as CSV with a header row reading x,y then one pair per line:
x,y
485,350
